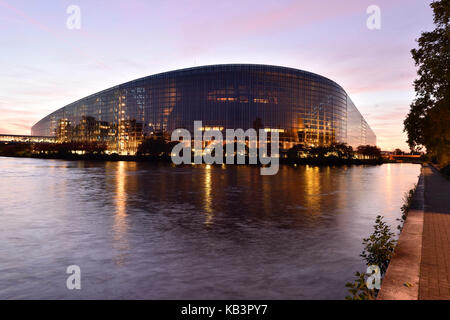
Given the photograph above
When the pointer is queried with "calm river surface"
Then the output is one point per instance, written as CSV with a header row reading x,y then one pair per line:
x,y
161,232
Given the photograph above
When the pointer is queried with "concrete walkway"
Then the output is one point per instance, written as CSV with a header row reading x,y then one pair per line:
x,y
420,268
435,263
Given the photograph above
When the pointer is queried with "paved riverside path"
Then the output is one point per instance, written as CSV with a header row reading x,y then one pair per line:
x,y
434,278
420,268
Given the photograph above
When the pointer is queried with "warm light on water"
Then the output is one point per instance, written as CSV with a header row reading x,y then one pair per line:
x,y
158,231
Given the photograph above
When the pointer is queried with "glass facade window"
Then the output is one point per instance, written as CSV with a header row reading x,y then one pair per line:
x,y
305,107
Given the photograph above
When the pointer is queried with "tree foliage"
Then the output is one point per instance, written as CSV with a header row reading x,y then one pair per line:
x,y
335,150
378,250
155,147
371,152
379,246
428,121
358,289
69,147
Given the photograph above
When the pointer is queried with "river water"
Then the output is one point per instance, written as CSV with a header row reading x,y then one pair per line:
x,y
148,231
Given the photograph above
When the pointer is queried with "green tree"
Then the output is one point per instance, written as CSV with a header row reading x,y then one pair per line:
x,y
342,150
155,147
427,123
358,289
368,151
379,246
296,151
318,152
379,249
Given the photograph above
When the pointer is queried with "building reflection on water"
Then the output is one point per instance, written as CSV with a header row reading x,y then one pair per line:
x,y
147,231
208,201
120,227
229,196
312,187
214,190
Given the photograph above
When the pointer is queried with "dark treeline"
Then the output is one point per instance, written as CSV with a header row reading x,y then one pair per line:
x,y
159,149
70,147
64,150
337,153
16,149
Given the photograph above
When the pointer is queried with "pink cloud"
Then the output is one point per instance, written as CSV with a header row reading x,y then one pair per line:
x,y
221,29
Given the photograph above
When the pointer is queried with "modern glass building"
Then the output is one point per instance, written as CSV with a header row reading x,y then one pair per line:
x,y
302,106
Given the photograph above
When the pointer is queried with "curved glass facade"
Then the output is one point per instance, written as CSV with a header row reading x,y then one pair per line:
x,y
304,107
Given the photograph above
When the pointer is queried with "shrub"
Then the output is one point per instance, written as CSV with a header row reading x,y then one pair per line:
x,y
358,289
380,246
407,201
378,250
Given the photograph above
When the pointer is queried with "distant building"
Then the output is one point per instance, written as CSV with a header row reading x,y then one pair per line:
x,y
19,138
404,157
303,107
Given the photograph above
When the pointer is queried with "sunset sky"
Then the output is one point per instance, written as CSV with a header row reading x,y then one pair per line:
x,y
44,65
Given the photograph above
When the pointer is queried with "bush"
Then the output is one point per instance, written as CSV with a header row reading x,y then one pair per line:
x,y
380,246
156,147
15,149
378,250
66,148
370,152
358,289
334,152
407,201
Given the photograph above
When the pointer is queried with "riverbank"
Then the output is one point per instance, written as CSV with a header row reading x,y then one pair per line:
x,y
158,150
420,267
165,159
